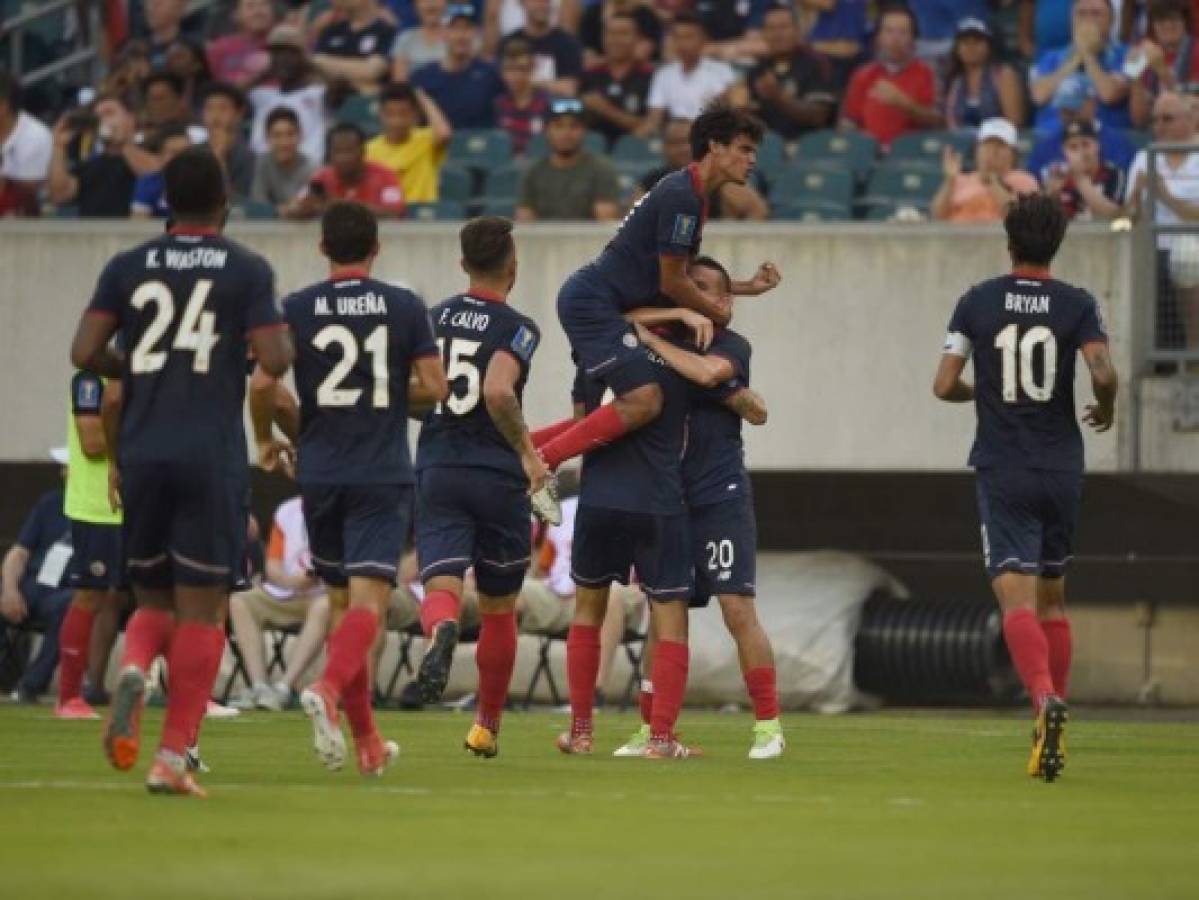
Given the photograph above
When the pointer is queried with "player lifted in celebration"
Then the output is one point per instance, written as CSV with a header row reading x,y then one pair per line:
x,y
720,504
1024,330
185,304
358,343
476,468
645,264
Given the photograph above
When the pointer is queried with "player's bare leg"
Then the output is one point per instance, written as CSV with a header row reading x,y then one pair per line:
x,y
670,664
756,657
495,657
1029,650
628,412
147,636
439,619
582,666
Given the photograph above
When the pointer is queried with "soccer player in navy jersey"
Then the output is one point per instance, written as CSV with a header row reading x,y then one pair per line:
x,y
719,504
476,468
645,264
359,341
186,303
1023,330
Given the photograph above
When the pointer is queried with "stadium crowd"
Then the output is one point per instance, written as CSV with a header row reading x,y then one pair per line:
x,y
568,109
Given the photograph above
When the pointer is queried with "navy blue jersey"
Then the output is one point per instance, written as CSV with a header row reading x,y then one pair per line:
x,y
1024,332
356,339
184,303
470,330
640,472
668,221
714,464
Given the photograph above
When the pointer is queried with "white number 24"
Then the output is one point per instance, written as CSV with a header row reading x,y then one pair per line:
x,y
197,330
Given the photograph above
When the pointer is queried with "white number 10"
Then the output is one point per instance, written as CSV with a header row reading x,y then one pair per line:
x,y
1007,344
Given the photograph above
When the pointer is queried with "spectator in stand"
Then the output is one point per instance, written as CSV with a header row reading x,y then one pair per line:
x,y
164,25
502,18
164,105
523,109
984,194
681,89
937,24
187,61
222,115
557,56
792,88
348,176
149,194
25,143
421,45
1169,57
126,74
1044,25
896,94
291,82
241,57
290,594
1088,186
1047,151
837,29
1090,66
737,202
282,173
355,45
96,177
734,28
414,152
33,589
593,24
977,85
615,91
463,85
570,183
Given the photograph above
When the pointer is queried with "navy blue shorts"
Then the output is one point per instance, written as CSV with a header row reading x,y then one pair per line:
x,y
604,344
184,524
356,530
1028,519
609,544
97,562
473,517
724,550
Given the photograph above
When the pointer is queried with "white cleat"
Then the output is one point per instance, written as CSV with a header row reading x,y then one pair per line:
x,y
635,746
327,739
769,742
545,501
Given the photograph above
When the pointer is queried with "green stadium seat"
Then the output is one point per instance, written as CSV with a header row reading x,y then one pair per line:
x,y
455,184
496,206
881,211
798,183
361,111
445,210
637,151
811,211
923,149
850,151
503,183
772,154
902,186
483,149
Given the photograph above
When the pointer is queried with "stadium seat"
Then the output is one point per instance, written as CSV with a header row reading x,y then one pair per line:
x,y
539,148
496,206
444,211
636,151
772,155
811,210
455,184
843,150
810,183
361,111
482,149
502,183
902,186
923,149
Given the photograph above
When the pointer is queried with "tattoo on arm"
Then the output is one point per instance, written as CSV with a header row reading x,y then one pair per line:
x,y
510,420
748,405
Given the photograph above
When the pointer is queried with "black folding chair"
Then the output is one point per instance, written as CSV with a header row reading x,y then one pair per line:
x,y
276,661
633,644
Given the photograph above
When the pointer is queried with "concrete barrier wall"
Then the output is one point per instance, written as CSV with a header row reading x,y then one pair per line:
x,y
844,350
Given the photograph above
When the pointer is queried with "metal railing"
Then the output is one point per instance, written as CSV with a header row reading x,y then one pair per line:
x,y
85,56
1171,321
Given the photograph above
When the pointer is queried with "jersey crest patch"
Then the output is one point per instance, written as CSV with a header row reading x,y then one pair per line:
x,y
524,343
684,229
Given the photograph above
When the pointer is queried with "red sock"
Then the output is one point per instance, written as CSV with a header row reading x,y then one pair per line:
x,y
594,430
582,668
1057,635
763,691
348,648
147,636
670,682
495,656
544,435
73,638
194,660
438,607
645,700
356,699
1029,650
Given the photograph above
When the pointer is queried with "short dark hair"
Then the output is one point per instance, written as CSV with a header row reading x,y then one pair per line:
x,y
487,244
721,123
688,17
343,128
516,48
708,262
1170,9
349,232
780,8
10,89
283,114
170,79
1035,225
625,17
398,92
195,185
231,92
902,9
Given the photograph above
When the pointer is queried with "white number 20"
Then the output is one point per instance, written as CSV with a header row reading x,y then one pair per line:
x,y
1007,344
720,555
197,330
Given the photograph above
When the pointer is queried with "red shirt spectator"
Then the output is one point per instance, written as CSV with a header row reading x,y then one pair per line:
x,y
377,187
349,176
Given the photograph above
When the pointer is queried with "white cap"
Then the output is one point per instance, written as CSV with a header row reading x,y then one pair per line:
x,y
60,455
999,130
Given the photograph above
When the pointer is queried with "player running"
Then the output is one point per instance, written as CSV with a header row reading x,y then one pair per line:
x,y
186,303
476,468
1024,330
720,506
645,264
359,341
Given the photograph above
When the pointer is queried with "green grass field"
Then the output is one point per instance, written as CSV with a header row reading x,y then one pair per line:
x,y
881,805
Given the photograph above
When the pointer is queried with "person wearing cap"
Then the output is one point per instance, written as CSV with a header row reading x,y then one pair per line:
x,y
1088,186
1077,107
1169,57
984,194
977,85
462,85
290,81
34,593
354,46
557,55
937,24
240,57
571,183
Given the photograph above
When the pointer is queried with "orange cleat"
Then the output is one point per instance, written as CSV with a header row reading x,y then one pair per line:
x,y
576,744
375,755
122,731
165,778
75,709
482,741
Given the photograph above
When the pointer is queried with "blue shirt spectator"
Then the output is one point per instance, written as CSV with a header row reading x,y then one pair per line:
x,y
463,86
1051,25
841,34
149,197
1048,151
